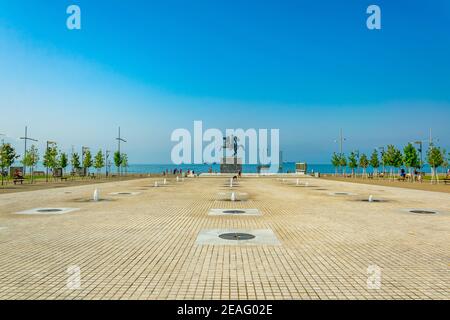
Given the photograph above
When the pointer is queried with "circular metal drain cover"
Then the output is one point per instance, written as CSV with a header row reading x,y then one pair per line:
x,y
123,193
423,211
49,210
341,193
233,211
236,236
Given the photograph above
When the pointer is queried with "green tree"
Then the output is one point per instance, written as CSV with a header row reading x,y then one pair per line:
x,y
63,161
50,159
99,161
386,158
410,158
118,161
343,163
31,159
87,160
446,159
7,157
336,162
75,162
393,158
125,162
374,161
435,159
352,162
364,163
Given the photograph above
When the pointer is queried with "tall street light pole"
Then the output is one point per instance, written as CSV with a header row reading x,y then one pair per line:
x,y
49,143
83,151
26,138
119,139
106,162
382,156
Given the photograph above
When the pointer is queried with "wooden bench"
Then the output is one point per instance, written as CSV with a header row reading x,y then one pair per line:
x,y
18,179
446,180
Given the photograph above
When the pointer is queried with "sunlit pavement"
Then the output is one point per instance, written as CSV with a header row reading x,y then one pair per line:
x,y
142,243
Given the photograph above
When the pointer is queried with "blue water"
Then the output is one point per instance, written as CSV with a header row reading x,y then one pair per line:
x,y
201,168
246,168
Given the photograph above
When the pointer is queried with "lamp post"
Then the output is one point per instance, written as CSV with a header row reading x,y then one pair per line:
x,y
382,157
106,162
25,138
119,139
49,143
341,145
83,151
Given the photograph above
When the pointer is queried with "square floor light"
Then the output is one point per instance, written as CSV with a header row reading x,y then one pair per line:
x,y
234,212
48,211
236,237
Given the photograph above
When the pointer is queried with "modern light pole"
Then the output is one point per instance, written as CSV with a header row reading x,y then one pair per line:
x,y
83,151
107,152
119,139
341,142
382,156
49,143
1,155
26,138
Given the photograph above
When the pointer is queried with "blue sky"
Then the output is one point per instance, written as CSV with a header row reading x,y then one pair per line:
x,y
305,67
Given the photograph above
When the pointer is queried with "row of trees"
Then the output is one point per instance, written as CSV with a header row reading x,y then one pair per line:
x,y
392,158
54,159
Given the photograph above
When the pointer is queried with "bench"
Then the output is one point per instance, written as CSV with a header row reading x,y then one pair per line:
x,y
446,180
18,179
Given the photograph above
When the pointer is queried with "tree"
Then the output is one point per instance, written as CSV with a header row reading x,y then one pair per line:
x,y
99,161
50,159
393,158
118,161
410,158
435,159
343,163
374,161
31,159
397,159
364,163
446,159
63,161
352,162
336,162
386,158
7,157
75,162
125,162
87,160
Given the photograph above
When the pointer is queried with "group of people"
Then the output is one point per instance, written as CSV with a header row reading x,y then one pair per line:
x,y
177,171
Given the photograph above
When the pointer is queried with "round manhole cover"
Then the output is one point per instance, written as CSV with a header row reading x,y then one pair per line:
x,y
123,193
321,189
49,210
341,193
419,211
233,211
236,236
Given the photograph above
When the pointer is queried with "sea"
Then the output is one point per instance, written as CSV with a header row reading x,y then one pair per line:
x,y
287,167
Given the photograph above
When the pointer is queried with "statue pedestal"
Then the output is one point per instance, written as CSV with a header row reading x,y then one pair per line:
x,y
231,165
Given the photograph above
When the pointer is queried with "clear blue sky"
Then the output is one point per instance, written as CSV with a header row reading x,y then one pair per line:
x,y
305,67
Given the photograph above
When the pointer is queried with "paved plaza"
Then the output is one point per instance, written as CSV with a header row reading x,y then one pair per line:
x,y
313,239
